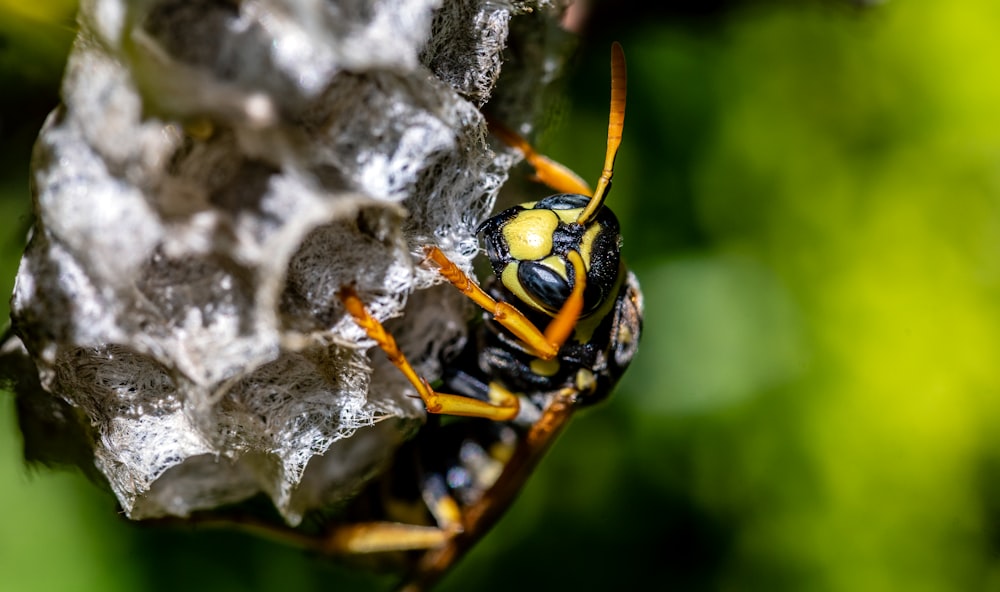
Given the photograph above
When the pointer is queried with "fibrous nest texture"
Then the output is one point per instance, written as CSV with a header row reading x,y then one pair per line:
x,y
217,171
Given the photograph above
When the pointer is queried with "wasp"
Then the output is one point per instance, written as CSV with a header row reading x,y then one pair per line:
x,y
557,265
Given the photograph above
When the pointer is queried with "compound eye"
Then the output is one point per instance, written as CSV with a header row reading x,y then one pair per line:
x,y
546,287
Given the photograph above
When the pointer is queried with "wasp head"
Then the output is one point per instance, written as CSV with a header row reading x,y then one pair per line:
x,y
528,246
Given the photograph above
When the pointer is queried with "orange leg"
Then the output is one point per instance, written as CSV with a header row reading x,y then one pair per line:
x,y
544,345
351,539
547,171
341,539
560,177
374,537
503,407
377,537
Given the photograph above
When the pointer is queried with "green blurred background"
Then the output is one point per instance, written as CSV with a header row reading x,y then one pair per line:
x,y
810,194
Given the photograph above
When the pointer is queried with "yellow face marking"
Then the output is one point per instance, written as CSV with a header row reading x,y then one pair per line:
x,y
587,243
556,264
509,280
569,216
529,235
544,367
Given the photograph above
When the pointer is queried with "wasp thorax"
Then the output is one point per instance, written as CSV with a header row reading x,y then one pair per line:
x,y
528,246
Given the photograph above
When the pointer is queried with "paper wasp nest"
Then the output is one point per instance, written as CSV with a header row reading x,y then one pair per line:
x,y
218,170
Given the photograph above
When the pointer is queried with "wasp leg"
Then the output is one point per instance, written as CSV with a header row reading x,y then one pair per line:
x,y
559,176
544,345
503,406
342,539
378,537
484,513
547,171
375,537
352,538
381,536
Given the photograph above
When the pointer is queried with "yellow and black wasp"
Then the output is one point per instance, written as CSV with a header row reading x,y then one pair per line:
x,y
557,265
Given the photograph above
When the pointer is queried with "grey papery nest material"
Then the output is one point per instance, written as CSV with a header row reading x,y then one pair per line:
x,y
217,171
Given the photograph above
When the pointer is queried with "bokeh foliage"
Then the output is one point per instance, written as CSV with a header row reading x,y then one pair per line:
x,y
811,197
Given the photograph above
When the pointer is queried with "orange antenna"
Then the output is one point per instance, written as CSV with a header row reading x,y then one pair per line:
x,y
615,123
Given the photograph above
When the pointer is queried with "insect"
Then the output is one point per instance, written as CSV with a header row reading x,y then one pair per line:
x,y
556,265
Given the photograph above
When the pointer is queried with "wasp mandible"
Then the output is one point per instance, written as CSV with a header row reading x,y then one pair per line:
x,y
556,265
